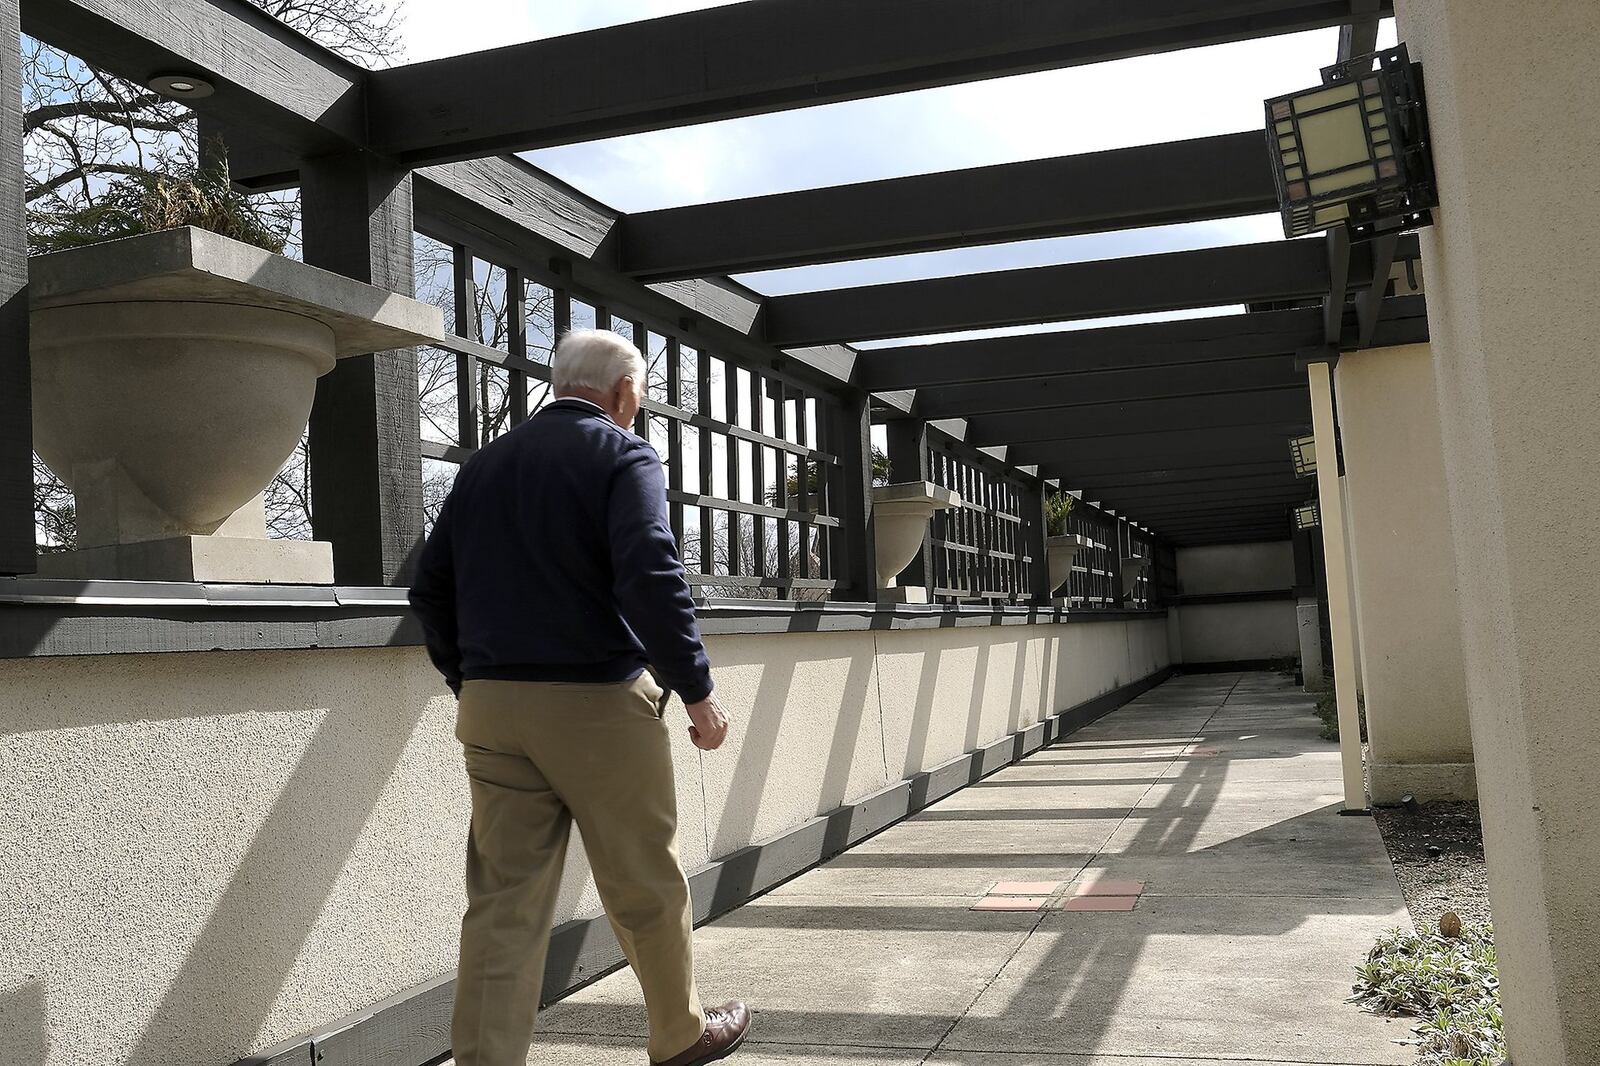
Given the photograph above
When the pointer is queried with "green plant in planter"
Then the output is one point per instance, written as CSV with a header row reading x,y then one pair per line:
x,y
1057,506
880,476
199,195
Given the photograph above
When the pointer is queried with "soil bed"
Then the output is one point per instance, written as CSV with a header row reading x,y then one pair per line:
x,y
1437,850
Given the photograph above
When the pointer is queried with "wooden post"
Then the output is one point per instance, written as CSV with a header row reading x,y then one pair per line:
x,y
908,461
1036,530
366,452
1331,506
849,436
17,550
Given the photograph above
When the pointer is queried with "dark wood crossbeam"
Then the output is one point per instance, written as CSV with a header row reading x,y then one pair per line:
x,y
268,78
1184,181
1228,486
1158,447
1220,515
1086,351
1118,386
527,219
1237,516
1283,270
1278,407
747,59
1256,537
1209,535
1170,281
1163,466
1161,510
1097,477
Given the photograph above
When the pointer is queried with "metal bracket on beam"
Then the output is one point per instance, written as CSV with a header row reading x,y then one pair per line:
x,y
1359,36
1328,353
1370,301
1338,285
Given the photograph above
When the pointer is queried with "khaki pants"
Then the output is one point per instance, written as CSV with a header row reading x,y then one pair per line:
x,y
541,756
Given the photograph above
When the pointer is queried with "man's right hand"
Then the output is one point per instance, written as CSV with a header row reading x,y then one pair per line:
x,y
708,725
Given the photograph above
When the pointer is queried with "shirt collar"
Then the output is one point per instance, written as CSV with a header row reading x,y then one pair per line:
x,y
581,402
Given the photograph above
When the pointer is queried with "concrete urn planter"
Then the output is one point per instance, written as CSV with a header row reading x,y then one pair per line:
x,y
1059,552
900,515
173,374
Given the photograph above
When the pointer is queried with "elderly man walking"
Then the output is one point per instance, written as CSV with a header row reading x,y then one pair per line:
x,y
553,599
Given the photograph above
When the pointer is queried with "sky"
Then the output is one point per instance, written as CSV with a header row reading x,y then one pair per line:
x,y
1144,100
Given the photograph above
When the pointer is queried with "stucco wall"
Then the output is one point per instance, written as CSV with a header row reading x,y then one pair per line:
x,y
1240,631
225,850
1515,330
1223,568
1404,577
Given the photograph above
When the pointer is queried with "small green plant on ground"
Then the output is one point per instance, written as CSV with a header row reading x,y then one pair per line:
x,y
1328,711
1057,506
1449,984
1286,666
148,201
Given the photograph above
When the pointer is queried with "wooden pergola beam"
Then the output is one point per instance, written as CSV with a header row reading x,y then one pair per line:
x,y
1152,345
749,59
1168,281
1097,478
1120,386
1277,407
268,78
1150,185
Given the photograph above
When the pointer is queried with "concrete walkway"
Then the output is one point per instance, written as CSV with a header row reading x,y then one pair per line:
x,y
1210,799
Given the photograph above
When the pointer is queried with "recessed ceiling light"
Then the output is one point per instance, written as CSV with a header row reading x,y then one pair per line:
x,y
182,86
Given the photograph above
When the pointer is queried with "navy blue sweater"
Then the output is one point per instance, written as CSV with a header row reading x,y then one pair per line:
x,y
553,560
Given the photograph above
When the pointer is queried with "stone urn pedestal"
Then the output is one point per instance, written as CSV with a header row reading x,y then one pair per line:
x,y
1059,553
900,515
173,375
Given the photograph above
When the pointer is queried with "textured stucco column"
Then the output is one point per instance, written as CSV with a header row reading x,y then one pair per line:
x,y
1413,677
1513,100
1341,619
1357,662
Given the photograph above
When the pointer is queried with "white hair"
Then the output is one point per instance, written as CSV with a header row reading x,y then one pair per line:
x,y
595,359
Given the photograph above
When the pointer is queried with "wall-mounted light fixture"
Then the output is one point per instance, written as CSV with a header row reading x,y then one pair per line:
x,y
1304,452
1354,150
1307,516
182,86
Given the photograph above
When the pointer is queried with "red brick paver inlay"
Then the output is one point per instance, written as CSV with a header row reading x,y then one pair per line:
x,y
1101,903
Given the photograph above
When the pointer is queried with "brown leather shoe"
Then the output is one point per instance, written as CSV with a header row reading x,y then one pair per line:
x,y
726,1027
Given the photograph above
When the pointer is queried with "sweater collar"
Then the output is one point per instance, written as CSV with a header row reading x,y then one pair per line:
x,y
578,403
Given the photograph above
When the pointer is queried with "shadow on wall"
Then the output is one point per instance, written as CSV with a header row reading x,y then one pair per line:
x,y
249,946
230,979
859,690
764,717
23,1031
